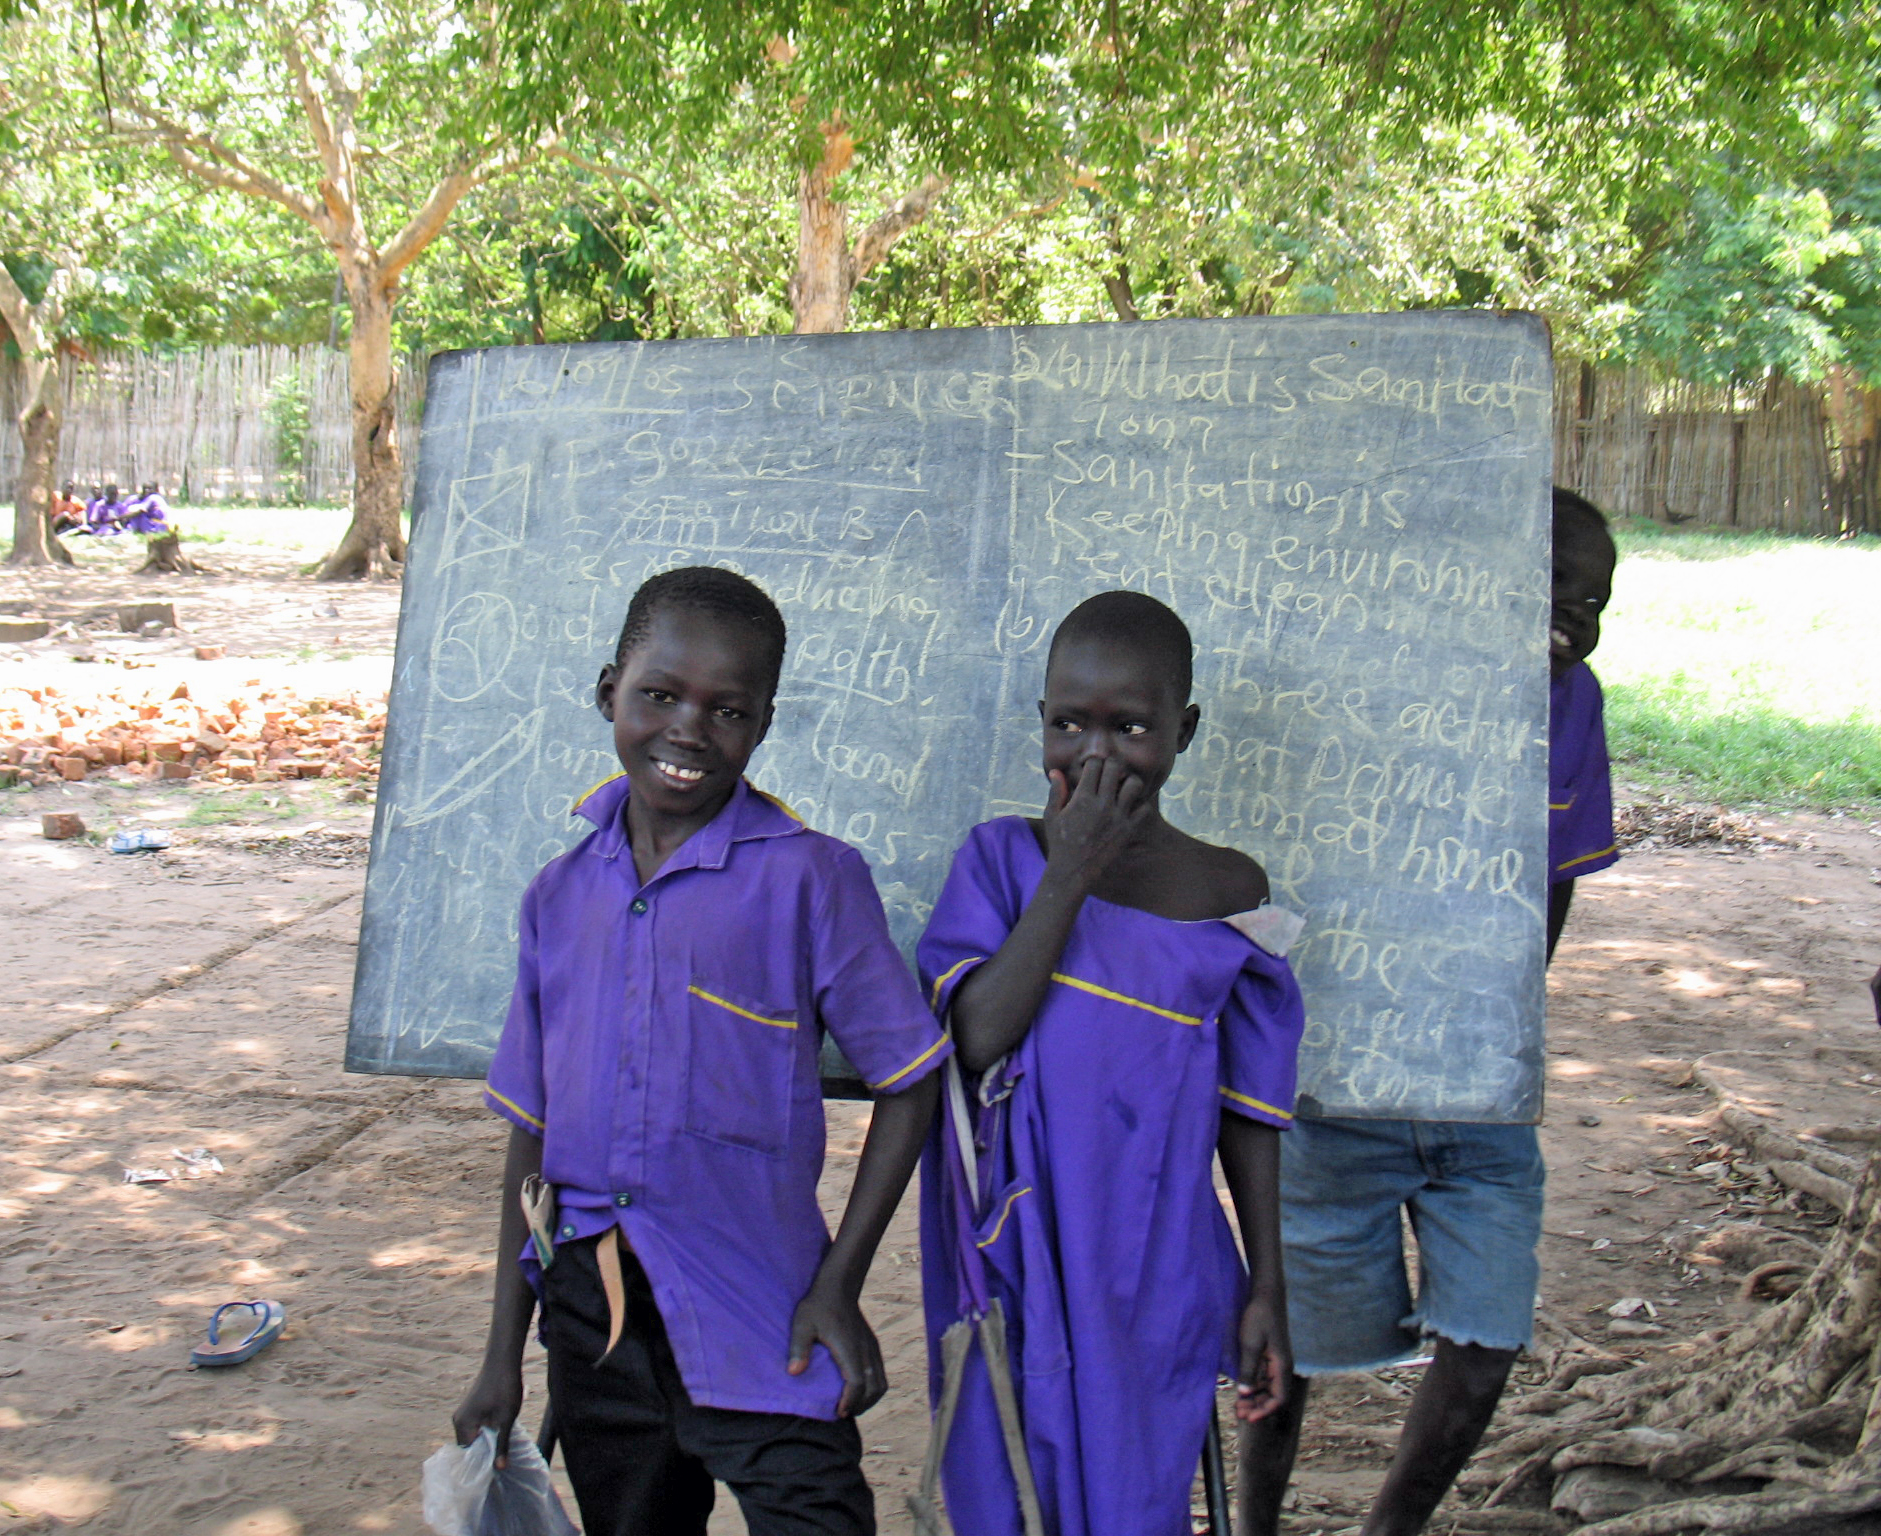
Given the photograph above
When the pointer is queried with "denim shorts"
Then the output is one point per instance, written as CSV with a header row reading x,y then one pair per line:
x,y
1473,1195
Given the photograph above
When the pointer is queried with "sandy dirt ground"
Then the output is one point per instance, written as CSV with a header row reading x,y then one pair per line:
x,y
156,1003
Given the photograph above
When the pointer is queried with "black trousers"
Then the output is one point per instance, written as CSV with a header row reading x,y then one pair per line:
x,y
643,1457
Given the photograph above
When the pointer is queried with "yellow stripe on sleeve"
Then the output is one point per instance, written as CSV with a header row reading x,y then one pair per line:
x,y
1000,1225
511,1104
1265,1109
743,1013
1587,857
889,1082
1565,805
1118,997
951,972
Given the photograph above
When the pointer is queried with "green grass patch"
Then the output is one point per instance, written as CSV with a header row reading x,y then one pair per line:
x,y
1745,667
250,805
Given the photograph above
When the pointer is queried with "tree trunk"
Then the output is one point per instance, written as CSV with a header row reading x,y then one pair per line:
x,y
375,541
828,265
1122,294
1792,1398
819,293
34,542
1854,413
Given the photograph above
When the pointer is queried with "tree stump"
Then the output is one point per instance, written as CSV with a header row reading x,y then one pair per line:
x,y
164,556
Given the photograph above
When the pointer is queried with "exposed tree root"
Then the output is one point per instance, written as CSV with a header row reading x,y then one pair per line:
x,y
1791,1401
1742,1514
360,555
1765,1276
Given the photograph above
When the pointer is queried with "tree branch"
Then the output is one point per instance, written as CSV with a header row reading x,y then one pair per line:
x,y
32,324
875,242
18,314
420,229
423,226
214,162
320,125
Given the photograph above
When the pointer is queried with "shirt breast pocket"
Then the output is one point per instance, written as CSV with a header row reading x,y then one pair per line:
x,y
740,1068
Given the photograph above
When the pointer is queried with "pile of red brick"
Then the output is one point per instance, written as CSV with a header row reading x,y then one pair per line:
x,y
244,736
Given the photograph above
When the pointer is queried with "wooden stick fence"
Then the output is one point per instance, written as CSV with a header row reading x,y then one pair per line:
x,y
253,425
272,425
1735,457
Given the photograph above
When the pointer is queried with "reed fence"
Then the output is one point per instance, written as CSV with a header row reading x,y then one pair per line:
x,y
264,426
1763,456
272,425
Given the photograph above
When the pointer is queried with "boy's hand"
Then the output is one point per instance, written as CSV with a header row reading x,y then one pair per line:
x,y
1266,1360
1087,827
493,1401
833,1318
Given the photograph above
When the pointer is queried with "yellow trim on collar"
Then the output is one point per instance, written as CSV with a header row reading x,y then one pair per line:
x,y
596,790
1000,1225
1118,997
1265,1109
1587,857
511,1104
743,1013
888,1082
764,795
948,975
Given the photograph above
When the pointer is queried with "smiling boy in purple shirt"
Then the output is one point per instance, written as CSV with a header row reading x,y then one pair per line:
x,y
1580,787
659,1069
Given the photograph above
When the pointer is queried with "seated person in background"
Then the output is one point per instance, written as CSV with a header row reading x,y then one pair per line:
x,y
1473,1191
103,512
68,512
147,512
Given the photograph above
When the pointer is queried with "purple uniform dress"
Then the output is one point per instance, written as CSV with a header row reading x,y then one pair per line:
x,y
662,1042
1097,1213
1580,791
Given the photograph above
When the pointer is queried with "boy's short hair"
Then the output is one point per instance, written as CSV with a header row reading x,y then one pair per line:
x,y
708,589
1133,621
1577,518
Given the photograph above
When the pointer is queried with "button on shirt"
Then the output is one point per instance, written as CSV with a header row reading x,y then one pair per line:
x,y
1580,787
662,1041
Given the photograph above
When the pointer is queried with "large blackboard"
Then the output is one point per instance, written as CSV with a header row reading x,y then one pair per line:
x,y
1350,511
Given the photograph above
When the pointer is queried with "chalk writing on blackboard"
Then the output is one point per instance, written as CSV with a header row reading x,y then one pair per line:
x,y
1350,512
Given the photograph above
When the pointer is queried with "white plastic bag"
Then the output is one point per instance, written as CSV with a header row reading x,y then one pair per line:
x,y
466,1496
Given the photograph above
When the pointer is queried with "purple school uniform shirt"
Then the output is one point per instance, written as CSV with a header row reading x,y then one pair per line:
x,y
1097,1218
662,1041
1580,790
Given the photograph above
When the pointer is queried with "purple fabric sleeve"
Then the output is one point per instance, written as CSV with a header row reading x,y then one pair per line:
x,y
513,1085
971,919
1580,787
864,994
1260,1040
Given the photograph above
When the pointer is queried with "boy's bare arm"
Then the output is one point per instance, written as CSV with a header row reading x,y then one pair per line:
x,y
832,1311
1250,1160
495,1397
1085,830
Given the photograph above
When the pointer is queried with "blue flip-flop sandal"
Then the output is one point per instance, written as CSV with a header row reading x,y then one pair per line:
x,y
270,1319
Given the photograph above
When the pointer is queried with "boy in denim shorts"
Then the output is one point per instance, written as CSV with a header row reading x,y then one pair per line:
x,y
1473,1191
